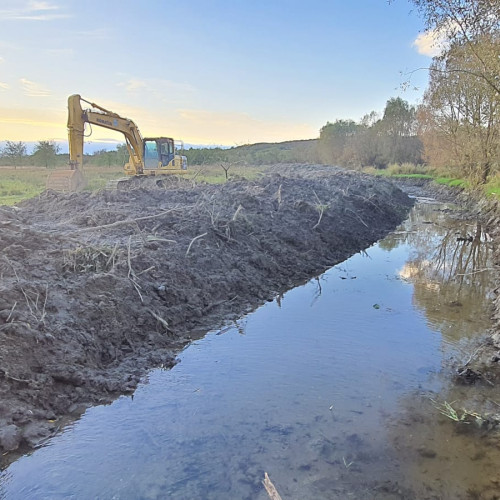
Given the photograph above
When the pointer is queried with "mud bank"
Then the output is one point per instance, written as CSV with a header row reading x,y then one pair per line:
x,y
489,357
96,288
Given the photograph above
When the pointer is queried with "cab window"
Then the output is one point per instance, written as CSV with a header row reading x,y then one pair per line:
x,y
150,150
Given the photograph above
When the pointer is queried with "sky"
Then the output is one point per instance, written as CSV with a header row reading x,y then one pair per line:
x,y
211,72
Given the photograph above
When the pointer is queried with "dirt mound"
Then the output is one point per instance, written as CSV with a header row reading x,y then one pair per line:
x,y
98,287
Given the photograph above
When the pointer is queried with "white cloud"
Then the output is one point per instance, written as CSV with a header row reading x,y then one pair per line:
x,y
33,89
432,43
34,11
4,86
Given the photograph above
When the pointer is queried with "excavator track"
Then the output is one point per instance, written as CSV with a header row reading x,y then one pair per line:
x,y
115,184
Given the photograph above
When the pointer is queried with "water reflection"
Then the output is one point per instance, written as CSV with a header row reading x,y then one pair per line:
x,y
324,391
448,268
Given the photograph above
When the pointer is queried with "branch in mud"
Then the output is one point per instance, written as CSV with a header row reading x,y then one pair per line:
x,y
320,207
358,217
131,275
129,221
193,240
160,320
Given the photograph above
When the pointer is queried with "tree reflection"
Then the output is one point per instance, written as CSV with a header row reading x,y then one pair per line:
x,y
448,270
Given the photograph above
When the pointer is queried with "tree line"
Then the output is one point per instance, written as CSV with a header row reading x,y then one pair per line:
x,y
45,154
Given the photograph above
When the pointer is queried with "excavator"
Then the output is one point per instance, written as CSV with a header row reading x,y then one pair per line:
x,y
148,155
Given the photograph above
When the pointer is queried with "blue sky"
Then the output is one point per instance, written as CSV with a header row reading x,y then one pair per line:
x,y
208,72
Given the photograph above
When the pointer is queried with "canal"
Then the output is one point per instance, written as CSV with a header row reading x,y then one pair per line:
x,y
334,389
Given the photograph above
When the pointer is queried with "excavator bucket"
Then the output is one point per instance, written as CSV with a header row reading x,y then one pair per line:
x,y
65,180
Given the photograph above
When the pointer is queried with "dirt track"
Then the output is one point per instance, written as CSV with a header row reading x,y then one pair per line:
x,y
97,288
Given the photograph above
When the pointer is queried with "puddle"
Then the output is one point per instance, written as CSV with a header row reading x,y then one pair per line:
x,y
328,389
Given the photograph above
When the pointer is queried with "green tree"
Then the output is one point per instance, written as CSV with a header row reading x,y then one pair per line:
x,y
334,142
398,132
369,143
45,153
15,152
122,154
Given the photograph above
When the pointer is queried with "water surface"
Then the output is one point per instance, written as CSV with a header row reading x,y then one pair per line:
x,y
328,389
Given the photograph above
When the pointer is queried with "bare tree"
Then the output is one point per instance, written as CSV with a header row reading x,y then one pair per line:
x,y
460,116
475,23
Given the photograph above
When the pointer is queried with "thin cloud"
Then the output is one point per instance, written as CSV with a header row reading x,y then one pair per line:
x,y
42,6
133,85
60,52
94,34
157,86
32,124
4,86
34,11
33,89
26,121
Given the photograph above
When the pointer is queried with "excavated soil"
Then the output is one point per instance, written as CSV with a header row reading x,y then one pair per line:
x,y
97,288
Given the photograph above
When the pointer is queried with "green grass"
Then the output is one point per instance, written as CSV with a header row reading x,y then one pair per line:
x,y
21,183
214,174
493,186
413,176
407,169
450,181
27,182
98,177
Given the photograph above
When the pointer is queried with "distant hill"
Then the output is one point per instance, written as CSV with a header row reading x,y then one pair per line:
x,y
262,153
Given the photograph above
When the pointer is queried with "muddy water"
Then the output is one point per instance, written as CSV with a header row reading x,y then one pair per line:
x,y
329,389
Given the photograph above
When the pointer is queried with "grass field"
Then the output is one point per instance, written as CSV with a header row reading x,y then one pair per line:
x,y
492,188
27,182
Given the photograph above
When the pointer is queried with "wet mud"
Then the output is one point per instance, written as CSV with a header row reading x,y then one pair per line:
x,y
97,288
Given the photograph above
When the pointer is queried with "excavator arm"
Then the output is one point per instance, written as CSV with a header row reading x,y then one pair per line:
x,y
77,117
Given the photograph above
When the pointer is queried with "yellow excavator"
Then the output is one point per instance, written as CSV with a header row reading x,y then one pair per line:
x,y
148,156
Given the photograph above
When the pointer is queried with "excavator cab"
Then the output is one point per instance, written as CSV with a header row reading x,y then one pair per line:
x,y
158,153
